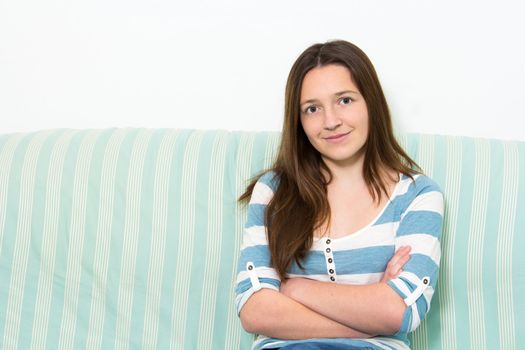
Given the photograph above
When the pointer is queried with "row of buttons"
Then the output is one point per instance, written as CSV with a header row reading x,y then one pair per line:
x,y
330,266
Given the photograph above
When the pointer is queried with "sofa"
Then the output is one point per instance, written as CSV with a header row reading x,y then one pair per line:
x,y
128,238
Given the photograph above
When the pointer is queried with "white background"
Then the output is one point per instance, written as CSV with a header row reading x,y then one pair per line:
x,y
447,67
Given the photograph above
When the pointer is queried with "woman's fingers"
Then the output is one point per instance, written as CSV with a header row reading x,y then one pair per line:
x,y
396,263
402,253
401,263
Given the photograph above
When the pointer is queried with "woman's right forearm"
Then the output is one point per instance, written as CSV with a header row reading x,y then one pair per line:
x,y
273,314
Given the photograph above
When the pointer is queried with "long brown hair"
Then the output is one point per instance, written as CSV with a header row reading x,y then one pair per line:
x,y
300,205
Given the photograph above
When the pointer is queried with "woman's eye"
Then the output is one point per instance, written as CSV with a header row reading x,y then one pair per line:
x,y
310,109
346,100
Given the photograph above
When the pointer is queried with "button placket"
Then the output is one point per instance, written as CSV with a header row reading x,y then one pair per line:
x,y
329,257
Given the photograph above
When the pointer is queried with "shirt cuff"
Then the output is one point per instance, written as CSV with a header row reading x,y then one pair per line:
x,y
255,280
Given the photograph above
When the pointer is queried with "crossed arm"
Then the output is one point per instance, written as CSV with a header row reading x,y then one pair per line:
x,y
299,308
305,308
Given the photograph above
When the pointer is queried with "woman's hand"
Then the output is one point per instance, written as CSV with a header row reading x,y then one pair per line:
x,y
395,265
292,285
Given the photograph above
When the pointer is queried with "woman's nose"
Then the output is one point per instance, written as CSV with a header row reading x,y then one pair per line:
x,y
331,120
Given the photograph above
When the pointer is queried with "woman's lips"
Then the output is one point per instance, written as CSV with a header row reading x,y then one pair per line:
x,y
337,138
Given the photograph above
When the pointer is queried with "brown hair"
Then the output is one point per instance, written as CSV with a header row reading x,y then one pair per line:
x,y
299,205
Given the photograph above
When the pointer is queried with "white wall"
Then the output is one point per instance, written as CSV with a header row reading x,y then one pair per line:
x,y
447,67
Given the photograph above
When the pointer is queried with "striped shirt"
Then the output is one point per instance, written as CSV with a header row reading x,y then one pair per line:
x,y
413,216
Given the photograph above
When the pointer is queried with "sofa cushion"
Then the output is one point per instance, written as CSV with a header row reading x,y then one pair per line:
x,y
129,238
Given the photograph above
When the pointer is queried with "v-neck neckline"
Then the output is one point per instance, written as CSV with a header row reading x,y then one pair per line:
x,y
372,222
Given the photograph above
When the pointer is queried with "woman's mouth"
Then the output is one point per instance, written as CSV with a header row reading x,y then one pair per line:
x,y
337,138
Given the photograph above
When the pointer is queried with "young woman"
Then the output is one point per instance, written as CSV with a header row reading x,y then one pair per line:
x,y
341,249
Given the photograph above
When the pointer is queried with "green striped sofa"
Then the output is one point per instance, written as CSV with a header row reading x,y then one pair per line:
x,y
128,238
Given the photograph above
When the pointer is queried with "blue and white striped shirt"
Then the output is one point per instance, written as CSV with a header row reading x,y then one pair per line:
x,y
413,217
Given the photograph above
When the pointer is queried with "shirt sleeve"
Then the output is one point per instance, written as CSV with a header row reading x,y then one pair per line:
x,y
254,270
420,228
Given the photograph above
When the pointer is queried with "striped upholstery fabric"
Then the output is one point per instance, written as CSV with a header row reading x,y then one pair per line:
x,y
128,238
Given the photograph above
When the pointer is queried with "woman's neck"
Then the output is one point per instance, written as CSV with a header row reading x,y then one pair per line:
x,y
346,174
350,177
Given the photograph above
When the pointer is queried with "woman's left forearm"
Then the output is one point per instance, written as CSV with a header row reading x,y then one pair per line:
x,y
373,308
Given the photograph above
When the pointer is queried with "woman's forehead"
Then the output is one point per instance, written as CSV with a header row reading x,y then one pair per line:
x,y
325,81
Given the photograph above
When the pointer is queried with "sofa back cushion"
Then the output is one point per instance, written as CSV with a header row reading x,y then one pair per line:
x,y
128,238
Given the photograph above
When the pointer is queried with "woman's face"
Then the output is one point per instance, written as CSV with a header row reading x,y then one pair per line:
x,y
334,115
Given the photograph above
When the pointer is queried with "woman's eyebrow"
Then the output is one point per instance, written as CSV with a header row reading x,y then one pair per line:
x,y
308,101
336,94
345,92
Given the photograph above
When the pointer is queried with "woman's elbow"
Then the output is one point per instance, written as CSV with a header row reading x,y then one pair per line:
x,y
247,321
394,318
255,311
